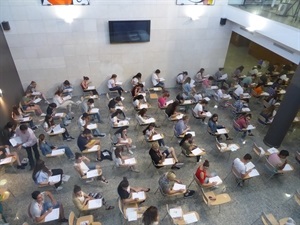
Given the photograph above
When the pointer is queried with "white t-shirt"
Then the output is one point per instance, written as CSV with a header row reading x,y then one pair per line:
x,y
81,122
239,166
154,79
180,78
239,90
58,100
36,208
136,103
198,108
220,93
135,81
111,83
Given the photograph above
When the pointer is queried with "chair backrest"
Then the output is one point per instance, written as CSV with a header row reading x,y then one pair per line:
x,y
197,181
72,218
257,150
268,219
28,211
262,120
205,198
235,172
120,204
270,166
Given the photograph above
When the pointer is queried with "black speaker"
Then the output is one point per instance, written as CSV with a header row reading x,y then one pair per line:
x,y
5,25
223,21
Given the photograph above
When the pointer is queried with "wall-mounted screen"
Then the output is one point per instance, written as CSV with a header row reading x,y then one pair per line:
x,y
65,2
127,31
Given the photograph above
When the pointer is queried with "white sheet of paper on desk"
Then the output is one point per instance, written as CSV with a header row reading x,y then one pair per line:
x,y
262,151
250,127
94,203
192,133
92,173
272,150
54,215
37,100
168,161
270,83
143,93
68,90
123,123
233,147
190,218
25,119
249,166
176,212
94,148
156,137
208,114
150,120
227,96
215,179
162,79
214,87
186,102
15,141
144,106
177,186
57,129
246,110
207,99
253,173
140,195
91,88
197,151
119,107
59,114
58,152
6,160
131,214
287,167
92,126
223,77
54,179
179,117
119,83
36,93
264,94
282,92
169,102
130,161
222,131
68,97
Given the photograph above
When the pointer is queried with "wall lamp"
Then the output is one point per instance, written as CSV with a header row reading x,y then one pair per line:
x,y
1,94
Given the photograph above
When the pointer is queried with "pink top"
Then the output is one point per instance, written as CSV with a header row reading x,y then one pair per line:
x,y
275,160
162,101
242,122
205,83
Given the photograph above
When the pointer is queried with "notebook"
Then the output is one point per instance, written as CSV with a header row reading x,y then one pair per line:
x,y
168,161
92,173
287,167
156,137
250,127
94,148
54,179
249,166
197,151
140,195
131,214
215,179
190,218
57,152
94,203
177,186
130,161
92,126
253,173
119,83
57,129
176,212
222,131
54,215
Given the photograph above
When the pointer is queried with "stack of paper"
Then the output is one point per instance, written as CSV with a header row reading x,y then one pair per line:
x,y
92,126
169,102
5,161
162,79
197,151
176,212
215,179
168,161
119,83
179,117
177,187
130,161
156,137
140,195
246,110
186,102
150,120
119,107
207,114
57,129
94,110
95,203
253,173
233,147
92,173
57,152
214,87
59,114
15,141
36,93
222,131
54,179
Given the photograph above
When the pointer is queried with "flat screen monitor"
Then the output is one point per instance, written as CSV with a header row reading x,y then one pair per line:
x,y
129,31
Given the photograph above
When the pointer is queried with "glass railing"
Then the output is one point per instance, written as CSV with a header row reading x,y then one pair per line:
x,y
283,11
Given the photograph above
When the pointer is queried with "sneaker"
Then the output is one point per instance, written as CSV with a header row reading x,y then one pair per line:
x,y
71,137
102,135
189,193
20,167
34,128
131,152
59,188
72,158
104,181
175,167
133,147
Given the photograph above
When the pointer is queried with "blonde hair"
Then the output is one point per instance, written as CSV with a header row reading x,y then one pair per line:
x,y
171,175
155,145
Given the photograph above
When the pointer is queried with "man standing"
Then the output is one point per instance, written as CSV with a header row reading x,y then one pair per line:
x,y
29,142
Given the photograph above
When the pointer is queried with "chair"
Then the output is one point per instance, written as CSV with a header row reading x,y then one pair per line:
x,y
181,219
223,147
211,199
175,134
73,220
112,94
10,162
237,127
269,219
166,195
238,176
26,110
259,151
124,209
114,143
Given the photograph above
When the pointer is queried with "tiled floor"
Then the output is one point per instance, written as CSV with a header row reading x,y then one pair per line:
x,y
258,195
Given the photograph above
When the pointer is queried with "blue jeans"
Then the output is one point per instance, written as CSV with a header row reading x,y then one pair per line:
x,y
97,116
68,151
48,205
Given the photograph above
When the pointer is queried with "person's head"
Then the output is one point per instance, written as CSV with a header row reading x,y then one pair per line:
x,y
77,190
118,99
203,102
41,137
201,70
187,80
58,92
15,110
87,133
33,84
253,76
28,93
39,166
171,176
175,104
138,97
248,117
37,196
84,116
142,112
157,71
166,94
185,119
114,76
214,117
53,105
187,137
86,78
221,68
90,101
224,88
247,158
78,156
66,83
210,78
185,73
206,164
179,98
124,183
48,118
9,126
241,68
23,128
155,146
150,216
283,154
116,113
138,76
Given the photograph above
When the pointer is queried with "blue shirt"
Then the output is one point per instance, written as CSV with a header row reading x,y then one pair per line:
x,y
82,142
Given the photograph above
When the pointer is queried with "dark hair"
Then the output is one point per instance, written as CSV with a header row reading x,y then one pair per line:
x,y
203,101
86,131
58,92
248,115
247,157
23,127
185,117
47,120
66,82
185,73
138,75
35,194
76,189
84,115
78,155
138,97
86,78
213,116
15,110
115,113
142,112
53,105
224,88
206,163
166,94
39,166
284,153
113,76
9,125
157,71
124,183
150,215
41,138
187,80
240,68
210,78
147,128
186,137
91,101
118,99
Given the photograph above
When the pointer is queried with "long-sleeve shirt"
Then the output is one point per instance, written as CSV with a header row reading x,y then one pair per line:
x,y
28,138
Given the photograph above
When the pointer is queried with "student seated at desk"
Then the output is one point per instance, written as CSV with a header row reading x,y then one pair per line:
x,y
88,106
125,192
180,78
150,131
138,101
257,90
67,88
162,100
49,124
41,175
85,86
187,88
268,114
82,168
181,126
32,88
113,86
156,80
206,85
120,159
51,110
199,110
123,138
115,117
199,75
213,126
115,102
171,110
137,79
81,199
143,117
150,216
84,121
27,103
62,103
187,145
86,141
18,116
40,208
8,132
47,148
240,166
238,106
166,183
238,72
137,90
203,175
159,157
4,153
239,90
243,122
278,160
